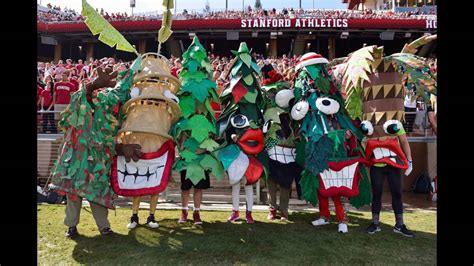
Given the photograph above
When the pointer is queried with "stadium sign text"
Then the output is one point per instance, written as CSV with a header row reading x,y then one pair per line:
x,y
298,23
431,24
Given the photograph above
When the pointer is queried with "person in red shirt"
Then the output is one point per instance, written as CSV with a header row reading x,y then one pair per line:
x,y
47,105
69,64
176,67
39,89
62,94
79,65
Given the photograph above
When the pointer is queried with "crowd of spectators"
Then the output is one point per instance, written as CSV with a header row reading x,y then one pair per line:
x,y
56,14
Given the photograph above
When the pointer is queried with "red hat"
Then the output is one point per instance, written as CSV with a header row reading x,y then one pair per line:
x,y
311,59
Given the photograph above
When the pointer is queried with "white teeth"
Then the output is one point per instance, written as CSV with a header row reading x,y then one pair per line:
x,y
393,160
385,152
392,153
343,177
378,153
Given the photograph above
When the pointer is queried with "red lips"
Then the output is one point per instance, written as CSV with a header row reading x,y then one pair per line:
x,y
251,141
391,145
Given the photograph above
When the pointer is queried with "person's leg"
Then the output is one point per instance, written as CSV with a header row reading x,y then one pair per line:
x,y
73,212
340,215
135,207
249,203
284,200
235,203
100,214
272,190
197,198
377,177
151,218
324,214
395,183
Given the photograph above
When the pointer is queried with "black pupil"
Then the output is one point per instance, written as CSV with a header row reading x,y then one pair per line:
x,y
392,129
239,120
326,102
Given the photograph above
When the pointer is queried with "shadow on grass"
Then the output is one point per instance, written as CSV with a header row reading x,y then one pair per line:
x,y
265,242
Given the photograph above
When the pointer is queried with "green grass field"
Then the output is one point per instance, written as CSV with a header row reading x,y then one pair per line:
x,y
219,242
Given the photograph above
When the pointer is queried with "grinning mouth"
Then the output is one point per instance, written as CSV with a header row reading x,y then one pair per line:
x,y
388,152
341,178
251,141
149,175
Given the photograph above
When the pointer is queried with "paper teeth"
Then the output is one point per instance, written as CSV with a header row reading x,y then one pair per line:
x,y
378,153
392,153
385,152
393,160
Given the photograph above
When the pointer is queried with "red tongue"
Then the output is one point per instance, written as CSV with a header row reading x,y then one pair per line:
x,y
254,171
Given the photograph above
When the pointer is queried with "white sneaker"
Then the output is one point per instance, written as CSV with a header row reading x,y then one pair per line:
x,y
342,228
320,221
153,225
132,225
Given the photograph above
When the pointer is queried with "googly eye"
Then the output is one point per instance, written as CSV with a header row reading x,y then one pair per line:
x,y
283,97
135,92
170,95
267,126
392,126
367,128
327,105
299,110
239,121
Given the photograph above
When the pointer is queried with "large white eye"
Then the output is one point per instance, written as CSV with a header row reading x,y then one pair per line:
x,y
171,96
267,126
135,92
239,121
392,126
299,110
367,128
327,105
283,97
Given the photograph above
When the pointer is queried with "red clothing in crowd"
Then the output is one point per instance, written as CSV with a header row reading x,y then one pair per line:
x,y
174,71
79,67
63,91
47,98
39,89
75,83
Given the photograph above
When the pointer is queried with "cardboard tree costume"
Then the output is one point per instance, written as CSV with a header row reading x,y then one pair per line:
x,y
375,91
280,140
197,126
241,121
333,165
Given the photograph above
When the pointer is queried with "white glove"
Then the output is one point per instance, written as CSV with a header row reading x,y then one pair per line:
x,y
410,167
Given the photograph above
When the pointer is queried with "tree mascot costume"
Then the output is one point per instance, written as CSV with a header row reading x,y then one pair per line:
x,y
241,121
196,129
375,94
90,123
280,142
150,113
332,161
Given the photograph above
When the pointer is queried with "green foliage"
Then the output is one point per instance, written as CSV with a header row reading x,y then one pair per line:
x,y
309,187
365,193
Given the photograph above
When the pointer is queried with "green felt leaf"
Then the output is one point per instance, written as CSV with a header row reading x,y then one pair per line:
x,y
236,67
251,96
199,90
313,71
187,105
209,145
188,156
200,127
309,187
365,194
228,154
323,84
255,67
246,58
206,66
195,172
192,65
191,145
179,165
317,154
211,163
248,79
338,138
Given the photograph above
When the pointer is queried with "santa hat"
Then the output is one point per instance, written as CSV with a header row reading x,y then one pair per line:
x,y
311,59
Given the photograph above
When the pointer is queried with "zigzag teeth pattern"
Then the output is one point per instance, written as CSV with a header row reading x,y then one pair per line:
x,y
341,178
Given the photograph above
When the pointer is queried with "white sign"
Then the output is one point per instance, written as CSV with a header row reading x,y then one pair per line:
x,y
299,23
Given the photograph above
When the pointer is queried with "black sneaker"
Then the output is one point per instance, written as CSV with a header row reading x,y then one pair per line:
x,y
133,222
150,221
106,231
403,230
71,232
373,227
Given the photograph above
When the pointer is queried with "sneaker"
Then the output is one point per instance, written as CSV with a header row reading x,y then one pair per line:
x,y
150,221
320,221
284,219
403,230
248,217
272,214
71,232
373,227
196,218
184,217
342,228
235,216
106,231
133,222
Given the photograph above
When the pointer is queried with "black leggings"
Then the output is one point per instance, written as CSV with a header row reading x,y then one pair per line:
x,y
377,177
